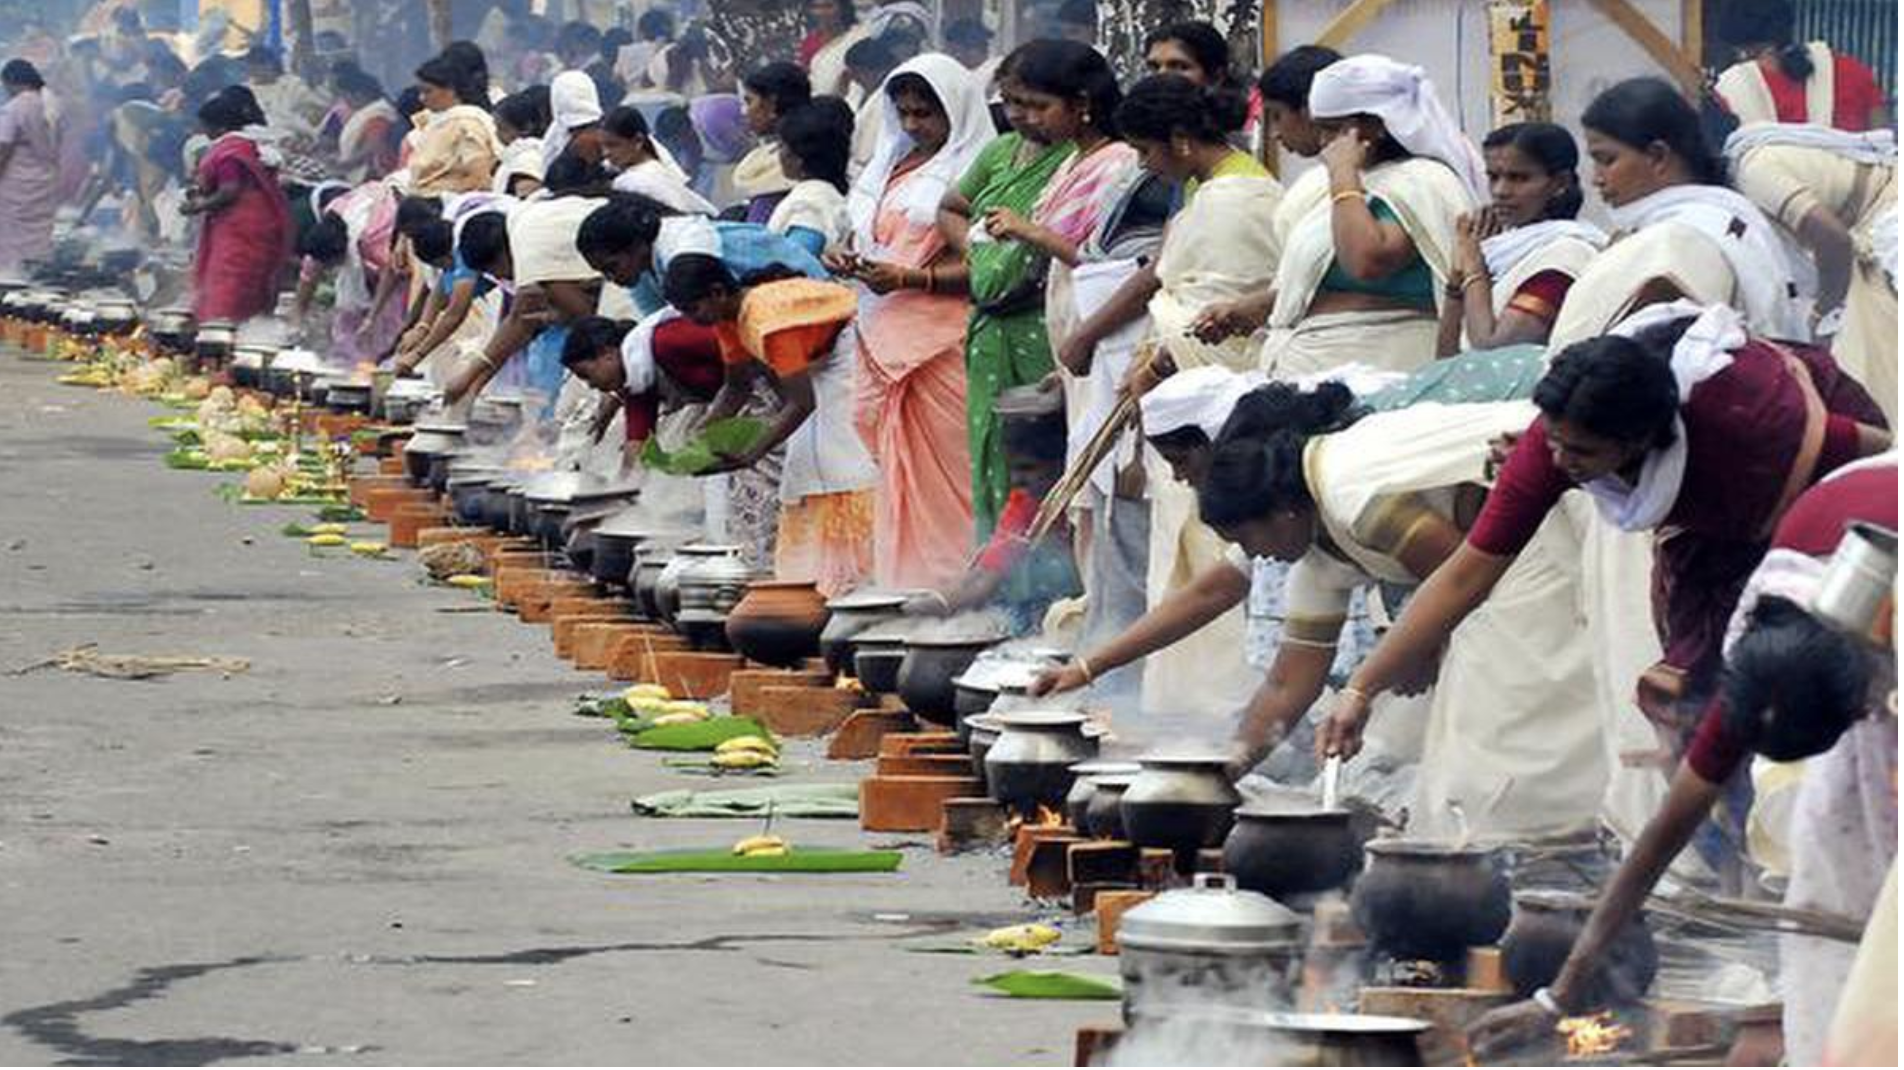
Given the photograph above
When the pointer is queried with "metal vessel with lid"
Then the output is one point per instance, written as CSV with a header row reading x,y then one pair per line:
x,y
1208,952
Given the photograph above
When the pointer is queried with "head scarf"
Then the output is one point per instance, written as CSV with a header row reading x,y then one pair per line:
x,y
883,18
1202,398
1403,98
572,103
970,122
718,119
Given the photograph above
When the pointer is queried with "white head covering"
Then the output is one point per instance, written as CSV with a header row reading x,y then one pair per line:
x,y
1702,352
682,234
882,18
572,103
1403,98
1202,398
637,350
521,157
963,99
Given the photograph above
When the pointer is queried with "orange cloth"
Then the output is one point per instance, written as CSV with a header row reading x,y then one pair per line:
x,y
788,324
911,413
826,539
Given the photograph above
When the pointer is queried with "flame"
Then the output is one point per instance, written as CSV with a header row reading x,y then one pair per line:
x,y
531,462
1592,1034
361,374
844,682
1044,818
1048,818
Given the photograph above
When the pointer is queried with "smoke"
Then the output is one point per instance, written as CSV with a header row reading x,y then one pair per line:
x,y
1180,1014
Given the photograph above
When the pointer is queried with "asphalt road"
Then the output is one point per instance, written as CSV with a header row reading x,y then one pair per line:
x,y
356,851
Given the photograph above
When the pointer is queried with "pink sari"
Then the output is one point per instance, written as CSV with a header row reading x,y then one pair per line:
x,y
911,411
1083,190
243,246
29,184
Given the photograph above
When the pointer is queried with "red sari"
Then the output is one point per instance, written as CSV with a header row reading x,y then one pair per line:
x,y
243,246
1749,431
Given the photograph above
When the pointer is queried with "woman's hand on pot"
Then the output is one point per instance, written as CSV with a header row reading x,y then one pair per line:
x,y
1340,734
1058,679
1503,1030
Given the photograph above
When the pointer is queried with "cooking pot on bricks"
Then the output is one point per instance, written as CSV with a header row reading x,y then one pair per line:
x,y
1085,785
468,485
778,622
849,615
1282,851
706,590
1208,953
1029,767
652,554
1182,800
931,664
668,583
1545,925
1104,813
1418,899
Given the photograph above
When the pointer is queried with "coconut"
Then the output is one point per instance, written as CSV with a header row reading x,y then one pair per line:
x,y
221,447
197,388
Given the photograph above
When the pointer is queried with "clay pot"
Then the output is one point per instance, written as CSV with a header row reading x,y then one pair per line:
x,y
1545,925
1180,801
778,622
1420,900
1282,852
848,616
1030,765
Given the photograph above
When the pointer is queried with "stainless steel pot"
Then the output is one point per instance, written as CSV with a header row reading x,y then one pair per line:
x,y
1029,768
668,583
1856,593
1206,953
651,557
708,590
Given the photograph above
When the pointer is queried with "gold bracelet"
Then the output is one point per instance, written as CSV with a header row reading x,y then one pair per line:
x,y
1479,276
1345,194
1084,668
1351,691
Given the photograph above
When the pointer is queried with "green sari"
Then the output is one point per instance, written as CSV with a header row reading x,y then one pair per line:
x,y
1005,346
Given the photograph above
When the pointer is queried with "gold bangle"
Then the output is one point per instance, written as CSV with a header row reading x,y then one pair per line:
x,y
1351,691
1084,668
1479,276
1345,194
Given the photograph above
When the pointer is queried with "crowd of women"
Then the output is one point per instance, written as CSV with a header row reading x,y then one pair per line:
x,y
1426,467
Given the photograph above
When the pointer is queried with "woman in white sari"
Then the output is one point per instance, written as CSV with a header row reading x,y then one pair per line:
x,y
1516,259
1679,230
1828,188
1513,735
1360,275
1222,243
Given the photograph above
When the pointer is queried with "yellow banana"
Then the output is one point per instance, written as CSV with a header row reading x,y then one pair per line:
x,y
326,540
756,845
743,759
667,719
1021,939
740,744
330,529
368,549
468,582
646,691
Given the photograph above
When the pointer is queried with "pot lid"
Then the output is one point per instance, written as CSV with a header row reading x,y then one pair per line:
x,y
709,549
439,426
632,521
1359,1024
891,633
418,389
1446,849
1179,758
999,674
868,598
1212,915
1554,899
1098,767
1039,719
977,639
1290,811
595,488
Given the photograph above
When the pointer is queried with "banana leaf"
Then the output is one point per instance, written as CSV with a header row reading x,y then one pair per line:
x,y
732,435
1050,984
701,735
189,459
724,860
337,513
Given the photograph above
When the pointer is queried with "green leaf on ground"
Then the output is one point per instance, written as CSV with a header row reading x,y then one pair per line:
x,y
701,735
1050,984
724,860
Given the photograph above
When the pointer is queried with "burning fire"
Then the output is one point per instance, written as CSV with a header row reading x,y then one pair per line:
x,y
1592,1034
1044,818
844,682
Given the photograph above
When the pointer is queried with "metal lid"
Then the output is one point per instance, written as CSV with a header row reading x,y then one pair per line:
x,y
1098,767
1213,917
1036,720
1184,758
867,598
